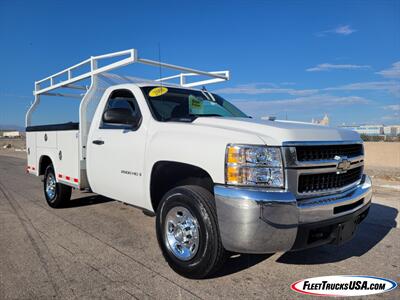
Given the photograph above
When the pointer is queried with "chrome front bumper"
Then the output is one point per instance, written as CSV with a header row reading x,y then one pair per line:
x,y
262,221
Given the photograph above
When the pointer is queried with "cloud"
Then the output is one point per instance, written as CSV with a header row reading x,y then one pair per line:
x,y
329,67
300,108
341,30
393,72
260,89
344,30
395,107
395,116
322,100
391,87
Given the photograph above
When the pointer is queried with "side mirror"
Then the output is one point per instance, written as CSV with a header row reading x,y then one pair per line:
x,y
120,116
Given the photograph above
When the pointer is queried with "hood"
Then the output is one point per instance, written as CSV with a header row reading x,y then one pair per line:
x,y
277,132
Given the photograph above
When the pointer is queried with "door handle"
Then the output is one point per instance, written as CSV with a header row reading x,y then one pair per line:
x,y
98,142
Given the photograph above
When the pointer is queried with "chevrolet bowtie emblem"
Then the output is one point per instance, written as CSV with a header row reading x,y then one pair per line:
x,y
343,164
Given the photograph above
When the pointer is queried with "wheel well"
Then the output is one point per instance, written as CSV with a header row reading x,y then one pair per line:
x,y
44,162
169,174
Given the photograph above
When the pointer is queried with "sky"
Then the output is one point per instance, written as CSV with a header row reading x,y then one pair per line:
x,y
289,59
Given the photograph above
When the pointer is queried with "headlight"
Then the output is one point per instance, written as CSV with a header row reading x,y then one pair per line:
x,y
254,165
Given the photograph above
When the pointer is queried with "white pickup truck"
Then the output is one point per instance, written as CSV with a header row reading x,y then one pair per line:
x,y
217,180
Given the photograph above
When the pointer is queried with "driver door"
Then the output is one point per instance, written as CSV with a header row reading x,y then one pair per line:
x,y
115,158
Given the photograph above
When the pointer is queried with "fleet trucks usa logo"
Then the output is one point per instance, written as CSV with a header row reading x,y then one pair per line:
x,y
343,285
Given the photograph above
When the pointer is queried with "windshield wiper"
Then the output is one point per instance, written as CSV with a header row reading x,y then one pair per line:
x,y
209,115
187,119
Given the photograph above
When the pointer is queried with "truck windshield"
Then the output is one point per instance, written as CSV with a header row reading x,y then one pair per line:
x,y
176,104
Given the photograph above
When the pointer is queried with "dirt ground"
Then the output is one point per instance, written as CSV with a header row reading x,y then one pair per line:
x,y
17,143
382,155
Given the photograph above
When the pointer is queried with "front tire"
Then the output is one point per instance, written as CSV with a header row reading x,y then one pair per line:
x,y
187,232
56,194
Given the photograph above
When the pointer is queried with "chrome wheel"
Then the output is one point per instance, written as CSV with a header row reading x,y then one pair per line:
x,y
181,233
51,186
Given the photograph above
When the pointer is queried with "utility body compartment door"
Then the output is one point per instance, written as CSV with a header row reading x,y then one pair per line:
x,y
32,166
67,159
115,156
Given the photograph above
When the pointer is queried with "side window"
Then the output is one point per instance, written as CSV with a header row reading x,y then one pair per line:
x,y
121,99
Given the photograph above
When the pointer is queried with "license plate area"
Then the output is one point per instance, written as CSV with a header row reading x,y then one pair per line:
x,y
345,232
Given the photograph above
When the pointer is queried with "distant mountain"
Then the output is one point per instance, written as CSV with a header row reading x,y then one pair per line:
x,y
6,127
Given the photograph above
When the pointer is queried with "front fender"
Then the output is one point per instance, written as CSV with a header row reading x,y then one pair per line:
x,y
192,144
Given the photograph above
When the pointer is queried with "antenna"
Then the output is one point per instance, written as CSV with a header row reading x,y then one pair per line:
x,y
159,59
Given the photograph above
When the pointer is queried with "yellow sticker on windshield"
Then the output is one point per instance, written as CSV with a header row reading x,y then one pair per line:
x,y
158,91
195,105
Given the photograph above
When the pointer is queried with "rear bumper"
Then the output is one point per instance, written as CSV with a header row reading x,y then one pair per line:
x,y
261,221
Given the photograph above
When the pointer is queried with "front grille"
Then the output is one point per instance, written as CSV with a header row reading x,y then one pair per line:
x,y
326,181
324,152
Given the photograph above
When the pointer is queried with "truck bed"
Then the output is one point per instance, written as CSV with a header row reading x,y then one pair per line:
x,y
59,142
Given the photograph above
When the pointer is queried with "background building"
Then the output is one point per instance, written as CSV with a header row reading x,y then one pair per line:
x,y
391,130
11,134
324,121
372,130
375,130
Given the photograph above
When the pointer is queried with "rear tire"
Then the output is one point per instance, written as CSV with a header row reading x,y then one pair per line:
x,y
56,194
188,233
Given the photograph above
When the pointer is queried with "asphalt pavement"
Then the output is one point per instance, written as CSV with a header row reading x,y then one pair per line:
x,y
100,248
